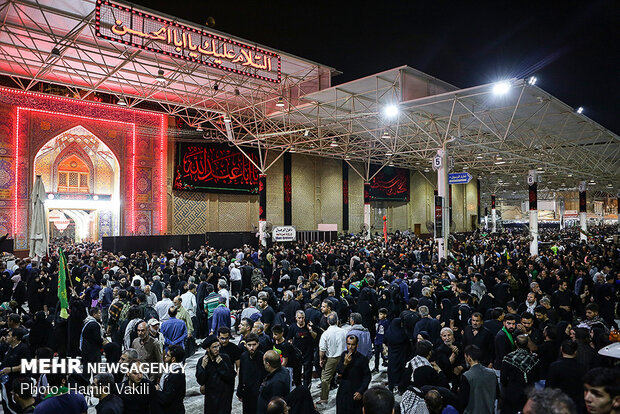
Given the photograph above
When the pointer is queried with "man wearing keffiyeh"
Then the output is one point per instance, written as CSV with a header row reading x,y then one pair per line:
x,y
520,369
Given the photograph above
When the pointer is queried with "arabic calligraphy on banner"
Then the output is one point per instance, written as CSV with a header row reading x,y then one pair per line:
x,y
215,168
389,184
133,27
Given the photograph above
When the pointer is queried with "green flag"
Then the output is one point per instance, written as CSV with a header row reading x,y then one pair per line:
x,y
62,284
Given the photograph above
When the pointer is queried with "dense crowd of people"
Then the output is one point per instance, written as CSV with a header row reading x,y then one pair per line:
x,y
491,329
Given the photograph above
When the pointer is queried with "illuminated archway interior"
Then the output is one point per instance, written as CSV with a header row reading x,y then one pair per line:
x,y
82,180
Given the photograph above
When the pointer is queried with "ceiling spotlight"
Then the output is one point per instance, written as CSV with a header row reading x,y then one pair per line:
x,y
121,102
199,128
391,164
479,156
426,170
237,93
390,111
292,150
333,144
514,176
385,135
306,133
417,163
55,52
465,167
500,162
280,102
580,110
532,80
388,154
216,86
95,197
346,157
609,185
569,175
226,118
501,88
160,76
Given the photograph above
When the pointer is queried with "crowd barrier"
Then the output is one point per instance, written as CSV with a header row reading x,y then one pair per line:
x,y
180,242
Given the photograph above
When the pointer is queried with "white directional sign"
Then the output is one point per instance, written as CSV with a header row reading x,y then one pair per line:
x,y
531,179
582,186
284,234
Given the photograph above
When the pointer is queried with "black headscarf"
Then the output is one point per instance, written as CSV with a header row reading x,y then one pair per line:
x,y
112,352
395,334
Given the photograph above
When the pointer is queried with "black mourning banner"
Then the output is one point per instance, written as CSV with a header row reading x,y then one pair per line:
x,y
533,197
478,198
288,206
493,201
438,216
262,198
216,168
345,196
391,184
582,202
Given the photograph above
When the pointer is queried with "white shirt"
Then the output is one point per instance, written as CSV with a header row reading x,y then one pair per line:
x,y
235,274
162,308
224,293
188,300
333,342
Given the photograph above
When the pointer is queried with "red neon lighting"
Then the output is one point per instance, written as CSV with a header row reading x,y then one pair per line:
x,y
162,177
74,101
162,173
132,199
16,174
132,208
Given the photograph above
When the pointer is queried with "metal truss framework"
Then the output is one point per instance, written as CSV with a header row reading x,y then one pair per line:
x,y
495,138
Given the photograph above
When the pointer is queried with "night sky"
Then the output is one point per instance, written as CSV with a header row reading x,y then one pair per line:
x,y
572,47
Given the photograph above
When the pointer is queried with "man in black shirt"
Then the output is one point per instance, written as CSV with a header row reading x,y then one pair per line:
x,y
11,363
216,376
251,374
232,350
267,312
477,334
302,336
288,354
109,403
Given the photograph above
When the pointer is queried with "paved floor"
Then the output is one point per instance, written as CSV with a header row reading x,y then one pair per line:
x,y
194,402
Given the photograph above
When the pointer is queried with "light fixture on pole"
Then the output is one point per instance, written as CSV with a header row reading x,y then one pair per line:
x,y
121,102
55,52
385,135
280,102
199,128
501,88
226,118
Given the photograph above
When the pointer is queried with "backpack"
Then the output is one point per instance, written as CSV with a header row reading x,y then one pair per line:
x,y
257,275
124,311
395,294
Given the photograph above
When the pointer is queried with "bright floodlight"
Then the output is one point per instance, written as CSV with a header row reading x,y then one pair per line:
x,y
580,109
390,111
532,80
501,88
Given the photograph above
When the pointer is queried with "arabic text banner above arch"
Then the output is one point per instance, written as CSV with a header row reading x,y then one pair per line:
x,y
130,26
391,184
216,168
